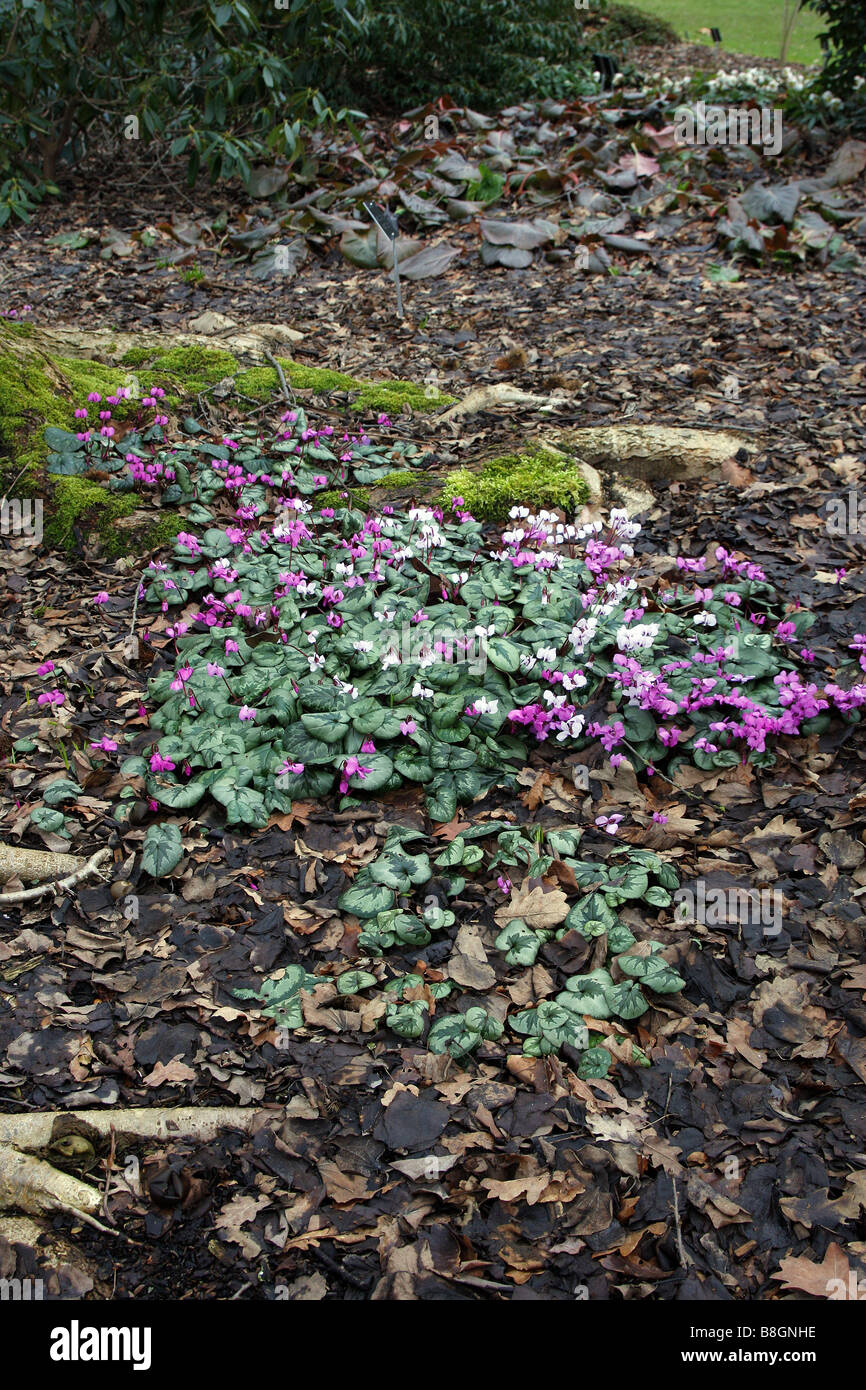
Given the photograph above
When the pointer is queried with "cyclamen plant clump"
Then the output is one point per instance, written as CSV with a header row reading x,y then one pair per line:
x,y
138,456
333,649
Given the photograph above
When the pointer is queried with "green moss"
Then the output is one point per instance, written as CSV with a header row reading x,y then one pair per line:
x,y
535,479
358,497
85,376
78,502
402,478
387,396
192,369
258,382
29,401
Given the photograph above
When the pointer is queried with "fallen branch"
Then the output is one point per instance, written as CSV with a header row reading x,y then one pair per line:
x,y
500,393
35,864
30,869
36,1130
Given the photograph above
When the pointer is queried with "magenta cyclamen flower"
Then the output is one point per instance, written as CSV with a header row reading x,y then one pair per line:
x,y
294,768
51,697
160,764
101,597
351,768
105,744
45,668
246,712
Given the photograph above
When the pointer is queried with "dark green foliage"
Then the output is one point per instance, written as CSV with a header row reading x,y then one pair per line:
x,y
846,30
224,83
627,24
481,53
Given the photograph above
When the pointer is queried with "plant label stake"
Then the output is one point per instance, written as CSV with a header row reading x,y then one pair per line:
x,y
607,67
387,223
716,35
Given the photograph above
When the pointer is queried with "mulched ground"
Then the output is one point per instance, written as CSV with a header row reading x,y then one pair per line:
x,y
743,1145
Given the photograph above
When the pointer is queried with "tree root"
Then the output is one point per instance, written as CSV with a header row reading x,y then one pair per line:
x,y
35,1187
34,863
35,1130
29,1184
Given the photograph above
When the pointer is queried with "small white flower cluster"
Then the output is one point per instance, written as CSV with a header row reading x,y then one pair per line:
x,y
673,86
571,728
484,706
730,84
763,82
637,638
429,532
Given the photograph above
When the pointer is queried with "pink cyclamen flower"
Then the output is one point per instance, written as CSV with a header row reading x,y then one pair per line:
x,y
51,697
610,824
105,744
660,818
45,668
504,884
101,597
247,713
408,726
160,764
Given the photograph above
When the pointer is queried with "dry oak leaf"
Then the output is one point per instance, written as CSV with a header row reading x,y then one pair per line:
x,y
539,907
175,1071
830,1279
342,1187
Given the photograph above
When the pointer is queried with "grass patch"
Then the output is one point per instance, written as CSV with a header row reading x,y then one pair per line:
x,y
746,27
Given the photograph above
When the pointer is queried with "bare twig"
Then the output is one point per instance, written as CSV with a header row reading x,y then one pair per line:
x,y
685,1259
284,386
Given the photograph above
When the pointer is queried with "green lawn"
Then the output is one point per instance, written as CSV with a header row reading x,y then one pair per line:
x,y
748,26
